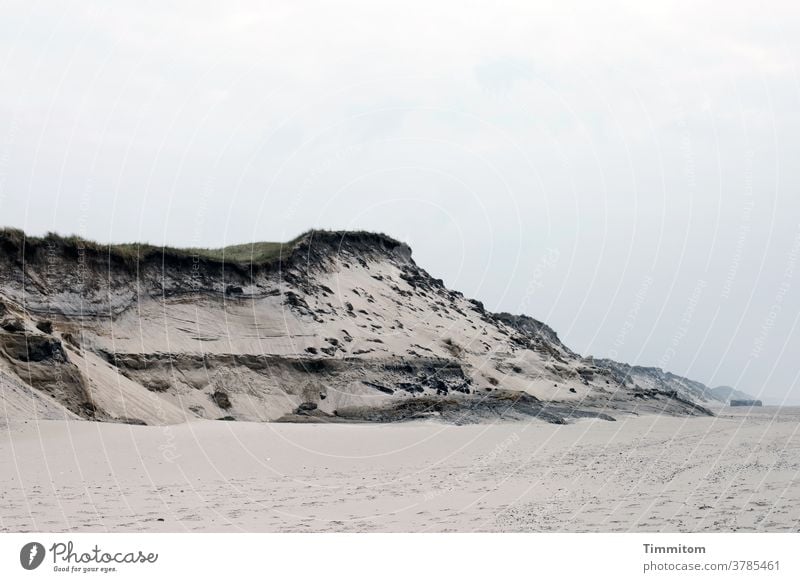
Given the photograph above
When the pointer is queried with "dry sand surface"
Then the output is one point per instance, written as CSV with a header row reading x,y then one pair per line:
x,y
737,472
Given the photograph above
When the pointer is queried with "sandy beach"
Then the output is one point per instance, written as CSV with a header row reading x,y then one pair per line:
x,y
735,472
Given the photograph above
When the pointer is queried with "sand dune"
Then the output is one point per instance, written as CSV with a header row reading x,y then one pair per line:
x,y
346,324
735,472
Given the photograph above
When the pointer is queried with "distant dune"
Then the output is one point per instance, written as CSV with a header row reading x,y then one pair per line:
x,y
727,393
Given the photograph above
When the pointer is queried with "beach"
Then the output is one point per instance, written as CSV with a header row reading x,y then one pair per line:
x,y
737,471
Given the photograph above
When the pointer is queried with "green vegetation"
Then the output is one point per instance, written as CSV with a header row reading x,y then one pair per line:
x,y
12,239
259,252
15,242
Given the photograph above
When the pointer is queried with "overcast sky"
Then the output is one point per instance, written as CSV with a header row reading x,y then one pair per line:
x,y
628,173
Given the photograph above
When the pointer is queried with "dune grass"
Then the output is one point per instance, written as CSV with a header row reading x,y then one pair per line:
x,y
258,252
245,255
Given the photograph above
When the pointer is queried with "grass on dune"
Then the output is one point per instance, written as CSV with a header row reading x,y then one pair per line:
x,y
259,252
13,240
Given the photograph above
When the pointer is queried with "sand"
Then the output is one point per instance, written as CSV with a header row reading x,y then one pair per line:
x,y
736,472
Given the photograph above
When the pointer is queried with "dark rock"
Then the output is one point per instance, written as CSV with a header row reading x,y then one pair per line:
x,y
311,366
45,326
233,290
410,387
221,399
294,300
35,348
12,325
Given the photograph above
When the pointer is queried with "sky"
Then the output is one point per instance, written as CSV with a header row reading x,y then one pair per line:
x,y
627,173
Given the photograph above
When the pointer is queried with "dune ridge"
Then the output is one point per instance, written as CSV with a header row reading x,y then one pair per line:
x,y
329,327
